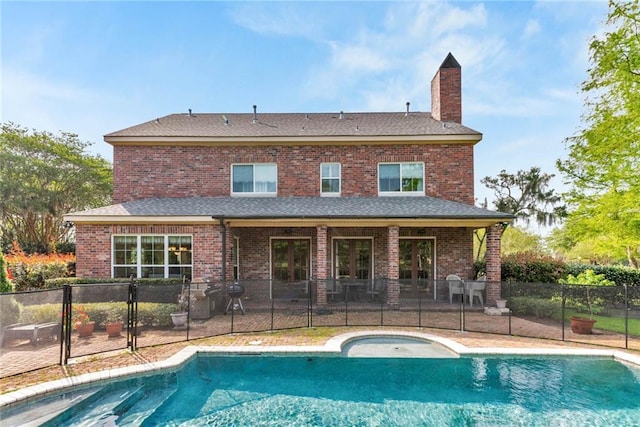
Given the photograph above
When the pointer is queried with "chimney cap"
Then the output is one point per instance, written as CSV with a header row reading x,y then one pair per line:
x,y
450,62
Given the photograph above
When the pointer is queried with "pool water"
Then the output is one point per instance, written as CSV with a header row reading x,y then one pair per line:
x,y
341,391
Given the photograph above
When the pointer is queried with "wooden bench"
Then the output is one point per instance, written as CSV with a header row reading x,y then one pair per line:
x,y
30,331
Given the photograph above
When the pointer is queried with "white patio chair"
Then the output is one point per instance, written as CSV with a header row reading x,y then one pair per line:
x,y
475,290
456,287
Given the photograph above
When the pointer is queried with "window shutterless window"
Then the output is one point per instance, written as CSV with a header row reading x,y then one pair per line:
x,y
401,178
259,178
330,179
158,256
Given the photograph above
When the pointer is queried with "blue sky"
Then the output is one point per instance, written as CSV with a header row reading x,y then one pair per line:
x,y
95,67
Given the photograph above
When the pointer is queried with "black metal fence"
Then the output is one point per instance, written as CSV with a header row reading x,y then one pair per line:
x,y
44,328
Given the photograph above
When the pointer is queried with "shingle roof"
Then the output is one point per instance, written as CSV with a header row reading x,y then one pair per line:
x,y
297,207
294,125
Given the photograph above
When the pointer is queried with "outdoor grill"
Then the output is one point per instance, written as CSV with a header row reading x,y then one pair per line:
x,y
235,292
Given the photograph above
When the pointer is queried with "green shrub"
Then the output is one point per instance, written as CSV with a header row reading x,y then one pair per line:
x,y
531,267
582,296
621,275
540,308
149,314
41,313
10,310
156,314
60,282
527,267
5,284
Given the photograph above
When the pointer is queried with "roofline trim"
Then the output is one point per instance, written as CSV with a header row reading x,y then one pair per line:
x,y
305,140
292,221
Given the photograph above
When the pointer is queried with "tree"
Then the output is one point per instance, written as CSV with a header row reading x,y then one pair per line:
x,y
526,195
604,156
42,177
517,240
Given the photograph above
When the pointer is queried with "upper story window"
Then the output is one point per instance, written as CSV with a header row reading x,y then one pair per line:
x,y
401,178
330,179
259,178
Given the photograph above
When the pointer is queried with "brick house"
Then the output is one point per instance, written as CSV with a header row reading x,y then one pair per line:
x,y
294,197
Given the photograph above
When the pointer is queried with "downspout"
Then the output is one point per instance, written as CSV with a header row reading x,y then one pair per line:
x,y
224,250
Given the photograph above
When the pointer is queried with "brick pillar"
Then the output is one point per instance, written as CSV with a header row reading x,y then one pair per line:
x,y
494,263
393,286
229,254
322,255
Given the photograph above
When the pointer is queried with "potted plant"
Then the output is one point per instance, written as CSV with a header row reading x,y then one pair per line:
x,y
586,279
82,322
180,318
114,322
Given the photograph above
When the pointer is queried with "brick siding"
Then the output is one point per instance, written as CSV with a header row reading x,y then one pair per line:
x,y
199,171
93,247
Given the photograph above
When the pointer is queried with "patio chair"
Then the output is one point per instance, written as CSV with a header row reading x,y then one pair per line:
x,y
456,287
333,288
378,286
475,289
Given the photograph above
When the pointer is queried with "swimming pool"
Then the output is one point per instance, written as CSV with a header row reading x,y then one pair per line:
x,y
259,388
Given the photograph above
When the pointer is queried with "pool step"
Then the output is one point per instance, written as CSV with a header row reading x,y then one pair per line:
x,y
47,409
152,398
101,409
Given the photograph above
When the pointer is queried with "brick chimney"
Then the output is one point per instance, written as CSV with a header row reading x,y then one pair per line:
x,y
446,91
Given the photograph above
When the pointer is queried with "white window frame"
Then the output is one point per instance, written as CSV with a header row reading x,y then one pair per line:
x,y
339,178
254,192
401,192
138,266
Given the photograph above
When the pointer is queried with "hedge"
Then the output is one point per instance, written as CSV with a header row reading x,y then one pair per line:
x,y
534,268
149,314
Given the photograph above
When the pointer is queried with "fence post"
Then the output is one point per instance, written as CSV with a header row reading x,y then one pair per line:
x,y
310,291
132,315
626,316
420,306
508,299
65,328
272,307
564,298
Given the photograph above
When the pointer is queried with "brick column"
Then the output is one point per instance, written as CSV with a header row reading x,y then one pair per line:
x,y
393,286
322,255
229,254
494,263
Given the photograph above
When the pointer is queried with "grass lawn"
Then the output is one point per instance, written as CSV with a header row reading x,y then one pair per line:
x,y
605,323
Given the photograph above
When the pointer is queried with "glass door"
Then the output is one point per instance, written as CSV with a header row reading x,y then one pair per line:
x,y
415,264
352,259
290,260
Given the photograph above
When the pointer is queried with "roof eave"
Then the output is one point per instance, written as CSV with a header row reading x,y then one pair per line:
x,y
471,138
335,221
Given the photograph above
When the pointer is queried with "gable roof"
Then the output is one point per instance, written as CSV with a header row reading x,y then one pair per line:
x,y
423,210
296,125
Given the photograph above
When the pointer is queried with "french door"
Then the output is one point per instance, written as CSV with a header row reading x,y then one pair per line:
x,y
352,259
290,259
415,264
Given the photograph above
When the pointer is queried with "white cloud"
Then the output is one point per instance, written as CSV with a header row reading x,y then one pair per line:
x,y
282,19
532,28
395,63
357,59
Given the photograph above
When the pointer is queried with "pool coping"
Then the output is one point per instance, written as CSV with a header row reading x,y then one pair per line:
x,y
333,347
